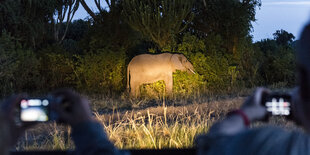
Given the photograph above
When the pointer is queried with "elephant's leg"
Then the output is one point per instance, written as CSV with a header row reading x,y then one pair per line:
x,y
132,89
169,84
135,89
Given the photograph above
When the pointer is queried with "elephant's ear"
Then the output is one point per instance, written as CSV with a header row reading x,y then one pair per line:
x,y
176,62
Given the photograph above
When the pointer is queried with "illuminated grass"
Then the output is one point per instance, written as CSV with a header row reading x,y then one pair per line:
x,y
135,130
153,128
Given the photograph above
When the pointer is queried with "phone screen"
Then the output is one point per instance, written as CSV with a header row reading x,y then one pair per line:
x,y
34,110
278,104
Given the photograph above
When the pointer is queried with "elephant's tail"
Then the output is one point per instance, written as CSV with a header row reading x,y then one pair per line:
x,y
128,74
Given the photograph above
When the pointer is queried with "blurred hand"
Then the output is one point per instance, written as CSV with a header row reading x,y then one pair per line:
x,y
10,119
73,109
253,107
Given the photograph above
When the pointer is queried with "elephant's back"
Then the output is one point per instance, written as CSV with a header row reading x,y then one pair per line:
x,y
149,59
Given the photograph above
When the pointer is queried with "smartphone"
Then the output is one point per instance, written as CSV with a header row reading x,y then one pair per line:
x,y
35,110
278,104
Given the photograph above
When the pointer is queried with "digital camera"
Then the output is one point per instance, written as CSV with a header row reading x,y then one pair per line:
x,y
37,109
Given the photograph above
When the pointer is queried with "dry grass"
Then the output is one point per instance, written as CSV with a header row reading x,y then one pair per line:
x,y
154,127
163,127
146,123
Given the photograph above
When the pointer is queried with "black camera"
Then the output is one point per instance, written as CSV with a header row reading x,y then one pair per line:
x,y
38,109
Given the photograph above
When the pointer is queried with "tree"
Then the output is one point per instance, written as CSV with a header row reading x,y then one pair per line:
x,y
278,62
283,38
158,20
109,22
65,8
77,29
231,19
27,21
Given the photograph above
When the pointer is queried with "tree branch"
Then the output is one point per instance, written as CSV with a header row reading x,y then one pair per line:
x,y
109,4
88,10
98,5
70,16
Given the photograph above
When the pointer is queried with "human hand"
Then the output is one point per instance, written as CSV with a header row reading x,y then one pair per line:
x,y
253,107
73,109
11,127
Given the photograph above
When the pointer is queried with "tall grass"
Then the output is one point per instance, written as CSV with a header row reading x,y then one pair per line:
x,y
135,130
150,128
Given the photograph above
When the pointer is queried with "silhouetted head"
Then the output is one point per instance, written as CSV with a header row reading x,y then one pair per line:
x,y
303,63
303,66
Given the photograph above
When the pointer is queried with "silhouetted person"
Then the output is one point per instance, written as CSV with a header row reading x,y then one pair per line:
x,y
88,134
233,136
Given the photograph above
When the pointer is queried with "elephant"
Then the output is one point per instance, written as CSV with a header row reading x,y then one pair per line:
x,y
149,68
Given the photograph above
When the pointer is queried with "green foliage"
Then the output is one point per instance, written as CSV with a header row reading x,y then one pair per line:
x,y
231,19
77,29
279,66
27,76
19,67
283,38
154,90
191,44
56,70
114,34
7,63
94,54
250,59
27,21
212,68
102,71
278,62
158,20
187,85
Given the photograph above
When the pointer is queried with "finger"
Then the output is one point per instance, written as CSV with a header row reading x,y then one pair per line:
x,y
67,93
62,114
12,103
259,94
85,104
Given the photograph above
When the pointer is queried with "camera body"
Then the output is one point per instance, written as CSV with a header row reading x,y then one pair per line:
x,y
38,109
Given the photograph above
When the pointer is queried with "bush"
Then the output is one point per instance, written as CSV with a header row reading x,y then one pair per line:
x,y
250,59
154,90
56,69
18,67
277,64
281,66
8,63
187,85
101,72
27,76
214,72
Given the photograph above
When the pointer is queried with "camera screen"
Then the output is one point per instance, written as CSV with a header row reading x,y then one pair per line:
x,y
278,105
34,110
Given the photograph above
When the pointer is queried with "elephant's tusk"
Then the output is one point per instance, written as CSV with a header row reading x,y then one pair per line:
x,y
192,71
